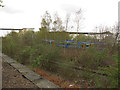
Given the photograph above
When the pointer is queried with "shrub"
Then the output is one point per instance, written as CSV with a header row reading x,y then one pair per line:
x,y
47,59
66,69
92,58
24,55
110,81
36,51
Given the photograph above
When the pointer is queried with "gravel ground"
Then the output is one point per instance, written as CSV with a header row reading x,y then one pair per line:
x,y
11,78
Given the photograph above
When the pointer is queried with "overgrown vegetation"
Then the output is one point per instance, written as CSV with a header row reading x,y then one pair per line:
x,y
28,48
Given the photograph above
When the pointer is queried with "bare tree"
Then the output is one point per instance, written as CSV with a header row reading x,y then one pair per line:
x,y
78,17
116,31
67,21
103,29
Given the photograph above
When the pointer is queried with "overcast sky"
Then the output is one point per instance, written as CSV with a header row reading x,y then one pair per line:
x,y
27,13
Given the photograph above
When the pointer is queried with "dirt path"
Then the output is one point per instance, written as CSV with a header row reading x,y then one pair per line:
x,y
11,78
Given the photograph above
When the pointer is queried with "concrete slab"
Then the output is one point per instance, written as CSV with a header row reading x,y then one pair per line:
x,y
18,65
44,83
24,71
10,60
32,76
